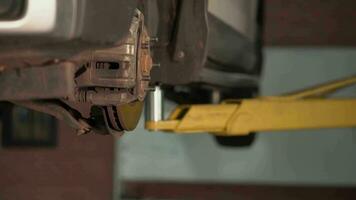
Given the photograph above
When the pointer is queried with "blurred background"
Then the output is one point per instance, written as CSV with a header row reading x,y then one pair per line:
x,y
305,43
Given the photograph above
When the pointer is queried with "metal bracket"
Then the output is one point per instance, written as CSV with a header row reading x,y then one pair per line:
x,y
41,82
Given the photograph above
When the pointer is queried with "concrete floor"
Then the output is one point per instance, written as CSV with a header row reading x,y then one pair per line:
x,y
322,157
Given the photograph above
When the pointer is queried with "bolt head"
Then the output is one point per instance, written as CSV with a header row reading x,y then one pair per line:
x,y
180,54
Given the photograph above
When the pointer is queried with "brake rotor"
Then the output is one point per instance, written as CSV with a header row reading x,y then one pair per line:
x,y
125,117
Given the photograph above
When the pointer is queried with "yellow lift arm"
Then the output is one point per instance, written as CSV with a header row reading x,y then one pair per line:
x,y
307,109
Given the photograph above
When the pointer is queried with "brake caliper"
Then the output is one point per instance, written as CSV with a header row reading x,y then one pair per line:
x,y
116,80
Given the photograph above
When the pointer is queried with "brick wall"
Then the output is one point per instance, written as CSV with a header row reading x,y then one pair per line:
x,y
80,167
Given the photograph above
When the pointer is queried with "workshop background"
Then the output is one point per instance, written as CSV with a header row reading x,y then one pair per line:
x,y
306,42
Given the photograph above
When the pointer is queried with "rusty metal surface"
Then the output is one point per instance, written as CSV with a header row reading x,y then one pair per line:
x,y
108,79
109,68
181,49
117,91
116,81
117,75
42,82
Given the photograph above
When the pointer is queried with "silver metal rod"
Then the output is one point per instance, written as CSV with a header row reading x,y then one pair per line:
x,y
154,105
215,96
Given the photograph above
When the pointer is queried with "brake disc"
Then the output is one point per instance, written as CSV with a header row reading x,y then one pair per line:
x,y
125,117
